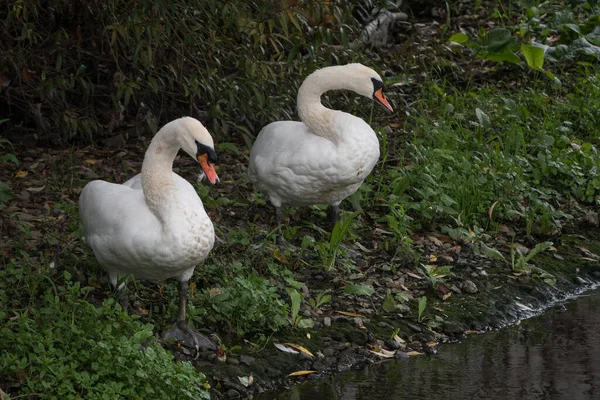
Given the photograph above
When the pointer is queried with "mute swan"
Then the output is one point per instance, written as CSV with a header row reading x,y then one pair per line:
x,y
324,158
154,225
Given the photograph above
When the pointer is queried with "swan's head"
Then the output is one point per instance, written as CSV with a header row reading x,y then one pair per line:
x,y
195,140
368,83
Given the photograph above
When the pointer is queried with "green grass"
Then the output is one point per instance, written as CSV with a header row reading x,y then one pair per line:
x,y
58,344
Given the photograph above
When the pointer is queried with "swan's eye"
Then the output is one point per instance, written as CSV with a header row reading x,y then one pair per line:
x,y
377,85
203,149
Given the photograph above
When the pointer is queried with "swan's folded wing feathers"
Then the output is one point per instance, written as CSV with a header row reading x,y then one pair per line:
x,y
114,214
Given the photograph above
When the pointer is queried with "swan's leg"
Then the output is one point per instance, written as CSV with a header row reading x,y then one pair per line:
x,y
278,215
335,214
182,332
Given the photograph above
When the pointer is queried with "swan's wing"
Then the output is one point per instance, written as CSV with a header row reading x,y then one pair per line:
x,y
135,182
117,223
289,147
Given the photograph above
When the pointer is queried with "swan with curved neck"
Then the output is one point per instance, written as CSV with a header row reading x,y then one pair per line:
x,y
154,226
326,157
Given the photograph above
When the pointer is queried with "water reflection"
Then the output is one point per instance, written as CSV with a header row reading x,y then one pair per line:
x,y
554,356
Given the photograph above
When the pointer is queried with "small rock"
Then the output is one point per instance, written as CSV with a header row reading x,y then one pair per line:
x,y
451,328
590,218
329,352
340,346
455,289
233,361
212,357
327,321
318,366
401,356
233,394
558,256
246,360
303,356
391,344
414,327
469,287
403,308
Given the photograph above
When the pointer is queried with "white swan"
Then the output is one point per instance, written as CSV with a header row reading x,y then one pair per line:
x,y
154,225
324,158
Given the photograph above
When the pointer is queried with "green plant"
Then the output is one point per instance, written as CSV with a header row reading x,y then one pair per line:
x,y
57,343
421,308
435,274
6,156
329,251
322,298
245,304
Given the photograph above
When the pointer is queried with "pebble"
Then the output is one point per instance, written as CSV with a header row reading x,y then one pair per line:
x,y
391,344
455,289
246,360
329,352
469,287
401,356
318,366
451,328
340,346
233,361
233,394
327,321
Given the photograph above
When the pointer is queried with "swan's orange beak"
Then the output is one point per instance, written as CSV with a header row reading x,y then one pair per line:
x,y
379,96
208,169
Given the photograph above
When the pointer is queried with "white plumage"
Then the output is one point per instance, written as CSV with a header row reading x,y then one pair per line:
x,y
154,226
326,157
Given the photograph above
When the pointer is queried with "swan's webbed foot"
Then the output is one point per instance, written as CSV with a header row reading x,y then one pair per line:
x,y
189,337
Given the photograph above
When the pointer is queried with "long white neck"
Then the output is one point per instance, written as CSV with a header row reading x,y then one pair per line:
x,y
157,168
317,117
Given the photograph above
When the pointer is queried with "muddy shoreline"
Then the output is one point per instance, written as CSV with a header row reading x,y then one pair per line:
x,y
350,330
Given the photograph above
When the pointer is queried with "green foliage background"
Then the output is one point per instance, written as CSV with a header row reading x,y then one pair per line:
x,y
74,69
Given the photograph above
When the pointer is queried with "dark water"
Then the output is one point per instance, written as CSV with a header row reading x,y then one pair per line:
x,y
553,356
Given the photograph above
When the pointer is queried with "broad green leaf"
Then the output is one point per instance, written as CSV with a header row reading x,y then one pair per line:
x,y
484,120
533,55
360,290
507,55
422,305
389,305
296,300
228,147
498,40
491,252
458,38
306,323
540,247
10,157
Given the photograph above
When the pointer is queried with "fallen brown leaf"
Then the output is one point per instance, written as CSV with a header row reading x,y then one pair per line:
x,y
299,373
301,348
